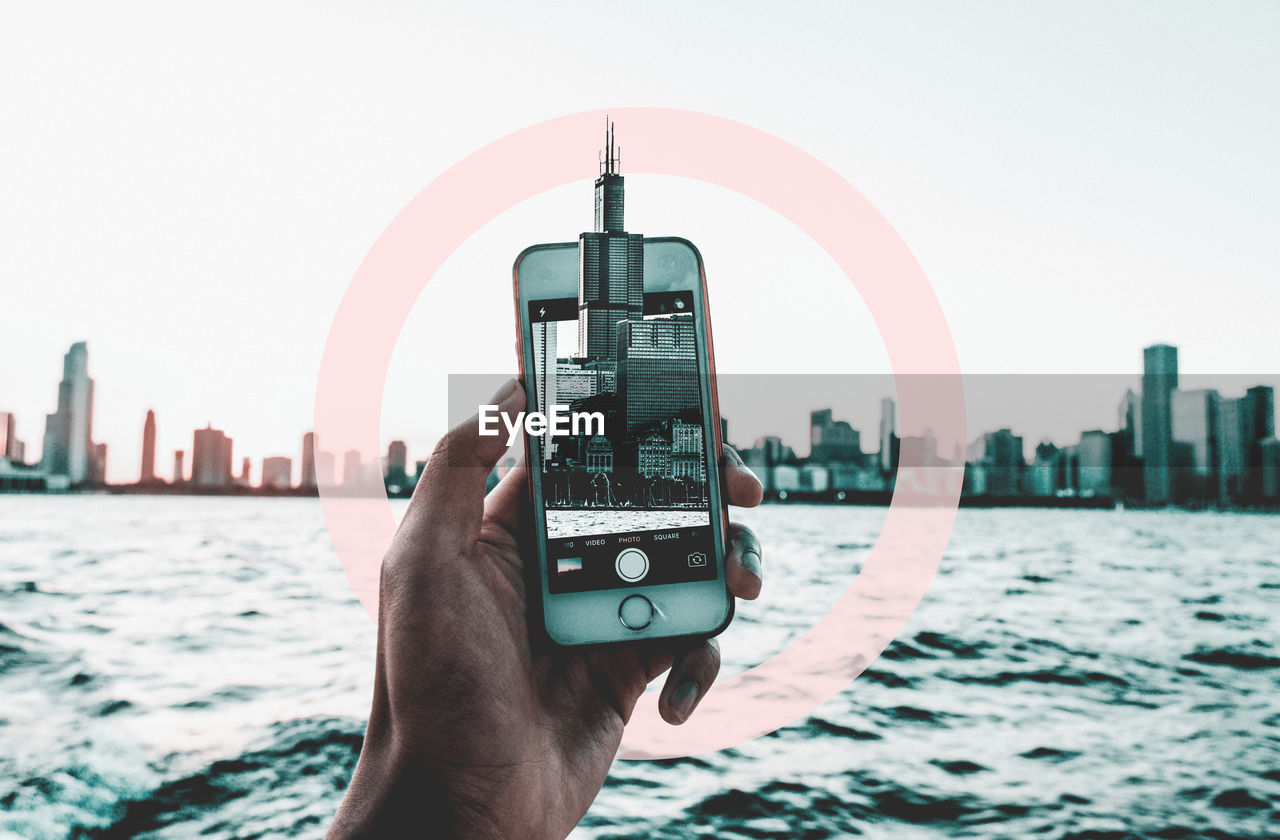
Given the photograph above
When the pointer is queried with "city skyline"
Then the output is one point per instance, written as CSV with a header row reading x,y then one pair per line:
x,y
1225,445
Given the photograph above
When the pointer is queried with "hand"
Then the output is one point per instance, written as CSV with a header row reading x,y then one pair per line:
x,y
479,728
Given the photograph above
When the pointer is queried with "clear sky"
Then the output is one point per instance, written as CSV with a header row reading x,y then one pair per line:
x,y
191,191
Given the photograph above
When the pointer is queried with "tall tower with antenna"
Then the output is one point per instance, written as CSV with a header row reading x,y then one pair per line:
x,y
610,265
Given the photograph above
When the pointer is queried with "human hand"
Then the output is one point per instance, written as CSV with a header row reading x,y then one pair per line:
x,y
480,727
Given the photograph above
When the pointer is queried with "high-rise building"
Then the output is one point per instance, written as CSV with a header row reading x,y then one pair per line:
x,y
308,479
1093,463
326,469
544,357
1231,451
833,441
657,371
397,459
97,465
1269,467
610,266
1258,422
148,472
179,467
888,431
211,459
246,466
1193,430
352,468
8,435
1003,461
1159,381
277,473
68,434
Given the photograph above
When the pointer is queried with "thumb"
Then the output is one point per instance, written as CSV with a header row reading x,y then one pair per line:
x,y
449,498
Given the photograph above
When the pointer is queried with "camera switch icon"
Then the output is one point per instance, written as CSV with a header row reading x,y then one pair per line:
x,y
697,559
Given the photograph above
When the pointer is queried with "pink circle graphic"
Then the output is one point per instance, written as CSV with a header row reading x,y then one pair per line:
x,y
917,526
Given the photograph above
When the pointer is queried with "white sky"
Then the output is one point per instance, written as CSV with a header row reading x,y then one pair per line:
x,y
190,191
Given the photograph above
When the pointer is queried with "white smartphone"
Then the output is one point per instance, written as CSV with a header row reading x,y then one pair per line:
x,y
628,513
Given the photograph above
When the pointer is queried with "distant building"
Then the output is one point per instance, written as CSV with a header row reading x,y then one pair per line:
x,y
654,456
575,382
1258,416
687,455
1193,424
211,459
179,467
68,434
397,459
308,479
352,469
8,436
888,434
544,379
599,455
833,441
277,473
1093,464
1269,467
1232,455
242,480
1159,381
326,469
148,471
1002,461
97,465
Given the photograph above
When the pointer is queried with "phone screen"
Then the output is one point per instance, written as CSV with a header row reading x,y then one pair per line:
x,y
625,491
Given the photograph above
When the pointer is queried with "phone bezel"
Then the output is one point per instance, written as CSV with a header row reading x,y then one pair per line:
x,y
697,608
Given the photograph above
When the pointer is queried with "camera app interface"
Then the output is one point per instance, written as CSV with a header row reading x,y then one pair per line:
x,y
625,488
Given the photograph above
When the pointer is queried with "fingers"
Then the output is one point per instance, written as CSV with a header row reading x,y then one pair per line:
x,y
502,505
744,566
691,677
742,488
450,497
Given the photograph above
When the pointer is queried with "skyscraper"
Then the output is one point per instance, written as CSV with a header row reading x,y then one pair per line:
x,y
610,266
888,430
179,467
1258,423
211,458
397,458
657,371
1193,423
68,433
277,473
544,356
1159,381
308,479
148,449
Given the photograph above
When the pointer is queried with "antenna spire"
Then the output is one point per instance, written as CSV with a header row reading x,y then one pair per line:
x,y
611,157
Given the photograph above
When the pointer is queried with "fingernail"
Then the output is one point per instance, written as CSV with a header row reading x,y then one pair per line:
x,y
751,562
686,697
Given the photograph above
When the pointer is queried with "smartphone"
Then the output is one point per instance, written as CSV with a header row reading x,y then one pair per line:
x,y
628,512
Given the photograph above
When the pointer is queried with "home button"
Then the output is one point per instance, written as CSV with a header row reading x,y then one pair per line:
x,y
636,612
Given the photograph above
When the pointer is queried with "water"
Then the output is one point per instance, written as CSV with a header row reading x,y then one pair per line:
x,y
173,667
588,521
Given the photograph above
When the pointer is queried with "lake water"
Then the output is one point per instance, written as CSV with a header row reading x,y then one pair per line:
x,y
175,666
588,522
